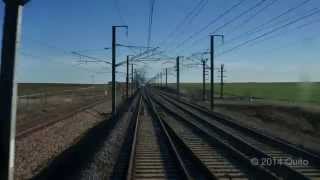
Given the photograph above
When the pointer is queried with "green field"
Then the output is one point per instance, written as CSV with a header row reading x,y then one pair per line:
x,y
33,88
293,92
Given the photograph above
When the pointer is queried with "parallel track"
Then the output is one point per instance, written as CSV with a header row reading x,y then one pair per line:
x,y
211,154
252,143
221,160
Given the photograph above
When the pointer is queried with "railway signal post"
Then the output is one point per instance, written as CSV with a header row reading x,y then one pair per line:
x,y
8,86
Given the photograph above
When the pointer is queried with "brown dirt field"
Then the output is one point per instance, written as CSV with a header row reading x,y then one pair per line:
x,y
42,109
57,107
296,125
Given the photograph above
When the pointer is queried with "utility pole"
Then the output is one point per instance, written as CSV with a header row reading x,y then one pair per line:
x,y
127,79
114,28
113,71
161,79
166,77
212,68
203,80
178,77
135,80
8,85
132,90
158,82
221,80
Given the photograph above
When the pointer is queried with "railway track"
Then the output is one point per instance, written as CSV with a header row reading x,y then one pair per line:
x,y
155,150
221,163
152,154
152,157
285,160
219,159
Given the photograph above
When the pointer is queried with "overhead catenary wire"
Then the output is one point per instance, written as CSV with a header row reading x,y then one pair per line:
x,y
183,27
243,13
247,20
296,20
213,21
187,18
239,16
198,11
271,20
270,32
280,33
155,55
27,54
95,59
63,50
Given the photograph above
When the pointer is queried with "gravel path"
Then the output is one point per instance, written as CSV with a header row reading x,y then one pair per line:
x,y
36,150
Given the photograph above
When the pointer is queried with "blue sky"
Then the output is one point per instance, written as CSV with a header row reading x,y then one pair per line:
x,y
51,30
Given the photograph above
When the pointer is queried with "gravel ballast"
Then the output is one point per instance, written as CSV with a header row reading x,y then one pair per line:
x,y
295,124
101,166
35,151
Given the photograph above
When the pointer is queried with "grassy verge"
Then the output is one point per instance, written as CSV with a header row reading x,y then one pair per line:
x,y
293,92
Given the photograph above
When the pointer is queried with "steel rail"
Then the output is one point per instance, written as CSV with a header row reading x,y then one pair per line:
x,y
205,172
197,164
246,147
261,172
206,139
134,142
195,160
312,157
139,130
284,169
203,169
181,164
